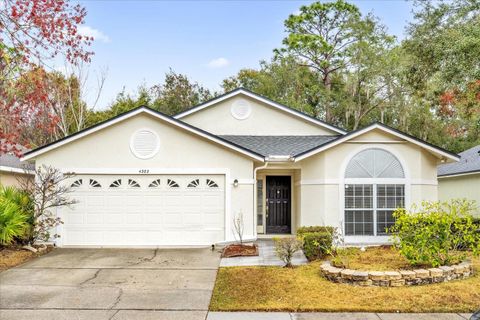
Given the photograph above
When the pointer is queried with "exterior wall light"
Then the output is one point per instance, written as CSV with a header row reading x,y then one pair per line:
x,y
235,183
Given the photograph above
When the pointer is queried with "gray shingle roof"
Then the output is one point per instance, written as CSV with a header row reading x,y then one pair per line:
x,y
9,160
12,161
469,162
279,145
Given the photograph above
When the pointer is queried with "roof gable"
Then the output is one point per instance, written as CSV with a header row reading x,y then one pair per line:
x,y
442,153
263,100
122,117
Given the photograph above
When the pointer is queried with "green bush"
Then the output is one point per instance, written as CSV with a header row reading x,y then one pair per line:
x,y
436,233
15,213
302,230
317,245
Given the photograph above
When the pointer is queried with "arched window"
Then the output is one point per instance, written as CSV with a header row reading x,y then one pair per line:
x,y
374,163
374,189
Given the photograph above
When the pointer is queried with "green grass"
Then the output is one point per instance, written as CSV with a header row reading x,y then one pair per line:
x,y
303,289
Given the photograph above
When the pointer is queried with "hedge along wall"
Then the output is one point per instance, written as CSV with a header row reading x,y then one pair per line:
x,y
397,278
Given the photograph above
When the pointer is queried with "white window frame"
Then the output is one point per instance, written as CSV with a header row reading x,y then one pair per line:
x,y
374,207
382,239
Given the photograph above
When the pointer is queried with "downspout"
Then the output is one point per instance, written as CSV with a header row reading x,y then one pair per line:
x,y
255,197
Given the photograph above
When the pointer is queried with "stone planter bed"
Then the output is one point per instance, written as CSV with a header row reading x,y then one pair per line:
x,y
397,278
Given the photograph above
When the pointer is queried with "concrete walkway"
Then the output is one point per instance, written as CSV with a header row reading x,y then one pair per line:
x,y
334,316
266,257
111,284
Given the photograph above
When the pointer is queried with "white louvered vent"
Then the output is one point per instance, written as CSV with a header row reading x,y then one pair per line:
x,y
241,109
144,144
374,163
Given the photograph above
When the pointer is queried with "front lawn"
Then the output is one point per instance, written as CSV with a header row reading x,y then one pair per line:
x,y
303,289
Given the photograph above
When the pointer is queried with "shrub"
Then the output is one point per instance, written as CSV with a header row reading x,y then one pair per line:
x,y
434,234
285,248
342,256
317,244
48,191
302,230
14,214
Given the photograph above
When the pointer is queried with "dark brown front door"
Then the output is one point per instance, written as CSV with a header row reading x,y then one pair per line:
x,y
278,204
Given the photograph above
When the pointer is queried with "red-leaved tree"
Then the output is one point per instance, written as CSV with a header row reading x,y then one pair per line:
x,y
32,32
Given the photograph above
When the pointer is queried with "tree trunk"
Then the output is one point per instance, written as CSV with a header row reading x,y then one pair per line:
x,y
327,82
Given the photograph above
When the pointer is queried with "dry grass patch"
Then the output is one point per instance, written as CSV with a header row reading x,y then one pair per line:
x,y
303,289
382,258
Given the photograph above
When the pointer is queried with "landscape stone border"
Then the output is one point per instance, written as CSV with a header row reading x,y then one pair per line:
x,y
397,278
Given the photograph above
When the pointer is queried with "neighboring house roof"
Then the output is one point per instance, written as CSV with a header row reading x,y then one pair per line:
x,y
11,163
380,126
469,163
279,145
142,109
265,100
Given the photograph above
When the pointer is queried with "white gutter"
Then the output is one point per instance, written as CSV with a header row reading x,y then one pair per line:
x,y
279,158
16,170
458,175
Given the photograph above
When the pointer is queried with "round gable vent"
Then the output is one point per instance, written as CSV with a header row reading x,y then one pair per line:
x,y
241,109
144,143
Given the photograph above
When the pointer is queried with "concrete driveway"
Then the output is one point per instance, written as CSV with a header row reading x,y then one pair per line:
x,y
111,284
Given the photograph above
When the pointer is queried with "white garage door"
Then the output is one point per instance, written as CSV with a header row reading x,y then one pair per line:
x,y
145,210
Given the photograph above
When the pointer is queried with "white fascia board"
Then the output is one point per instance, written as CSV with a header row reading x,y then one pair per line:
x,y
373,127
266,101
16,170
453,175
132,114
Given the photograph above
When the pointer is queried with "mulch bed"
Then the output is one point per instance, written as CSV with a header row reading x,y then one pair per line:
x,y
13,256
239,250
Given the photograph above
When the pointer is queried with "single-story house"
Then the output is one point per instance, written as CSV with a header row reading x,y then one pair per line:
x,y
461,179
12,169
147,179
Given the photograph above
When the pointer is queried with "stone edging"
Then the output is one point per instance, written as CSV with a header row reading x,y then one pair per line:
x,y
396,278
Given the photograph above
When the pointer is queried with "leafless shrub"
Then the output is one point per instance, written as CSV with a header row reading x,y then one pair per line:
x,y
48,192
285,248
238,227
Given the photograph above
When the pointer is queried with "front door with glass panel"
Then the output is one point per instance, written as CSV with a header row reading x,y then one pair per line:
x,y
278,198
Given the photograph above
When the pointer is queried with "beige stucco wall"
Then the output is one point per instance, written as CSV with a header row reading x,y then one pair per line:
x,y
9,178
109,150
263,120
322,176
467,186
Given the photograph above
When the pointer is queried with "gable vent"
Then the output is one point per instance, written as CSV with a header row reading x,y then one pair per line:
x,y
241,109
144,144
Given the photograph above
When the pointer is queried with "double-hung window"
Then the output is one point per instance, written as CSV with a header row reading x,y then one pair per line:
x,y
374,189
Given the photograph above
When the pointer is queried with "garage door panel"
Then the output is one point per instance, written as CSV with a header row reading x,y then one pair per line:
x,y
92,237
194,219
173,199
154,218
92,218
113,199
95,201
172,219
134,219
156,213
116,218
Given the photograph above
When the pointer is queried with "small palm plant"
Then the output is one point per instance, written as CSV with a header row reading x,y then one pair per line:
x,y
14,214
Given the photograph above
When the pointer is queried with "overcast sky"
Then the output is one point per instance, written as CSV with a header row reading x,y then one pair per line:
x,y
138,41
